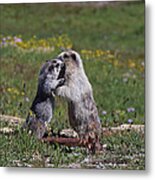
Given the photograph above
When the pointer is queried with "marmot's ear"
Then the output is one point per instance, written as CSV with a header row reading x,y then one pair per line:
x,y
73,55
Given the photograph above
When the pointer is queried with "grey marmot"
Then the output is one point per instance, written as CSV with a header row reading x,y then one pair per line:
x,y
41,111
82,110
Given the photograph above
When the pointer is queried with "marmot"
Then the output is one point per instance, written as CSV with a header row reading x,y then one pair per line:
x,y
82,110
41,111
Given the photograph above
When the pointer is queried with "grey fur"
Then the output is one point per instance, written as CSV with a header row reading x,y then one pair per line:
x,y
42,107
83,113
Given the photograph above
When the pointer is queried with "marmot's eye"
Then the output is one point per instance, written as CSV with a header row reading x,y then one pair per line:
x,y
66,56
73,56
54,61
50,68
57,65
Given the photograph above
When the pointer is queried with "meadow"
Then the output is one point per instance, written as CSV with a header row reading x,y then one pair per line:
x,y
110,40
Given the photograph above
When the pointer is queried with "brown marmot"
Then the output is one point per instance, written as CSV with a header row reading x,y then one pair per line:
x,y
82,110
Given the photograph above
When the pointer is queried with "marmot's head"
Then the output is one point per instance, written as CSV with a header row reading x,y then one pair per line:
x,y
50,74
52,68
72,59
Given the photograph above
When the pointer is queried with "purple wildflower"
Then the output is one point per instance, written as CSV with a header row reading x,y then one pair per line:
x,y
130,121
131,109
3,42
104,113
17,40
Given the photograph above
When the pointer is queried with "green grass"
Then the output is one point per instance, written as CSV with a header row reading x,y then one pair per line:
x,y
117,28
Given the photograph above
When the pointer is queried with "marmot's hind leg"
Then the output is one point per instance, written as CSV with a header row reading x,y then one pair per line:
x,y
35,126
92,142
91,138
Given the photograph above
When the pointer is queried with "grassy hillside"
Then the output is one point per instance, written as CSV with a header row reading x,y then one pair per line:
x,y
110,40
113,27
